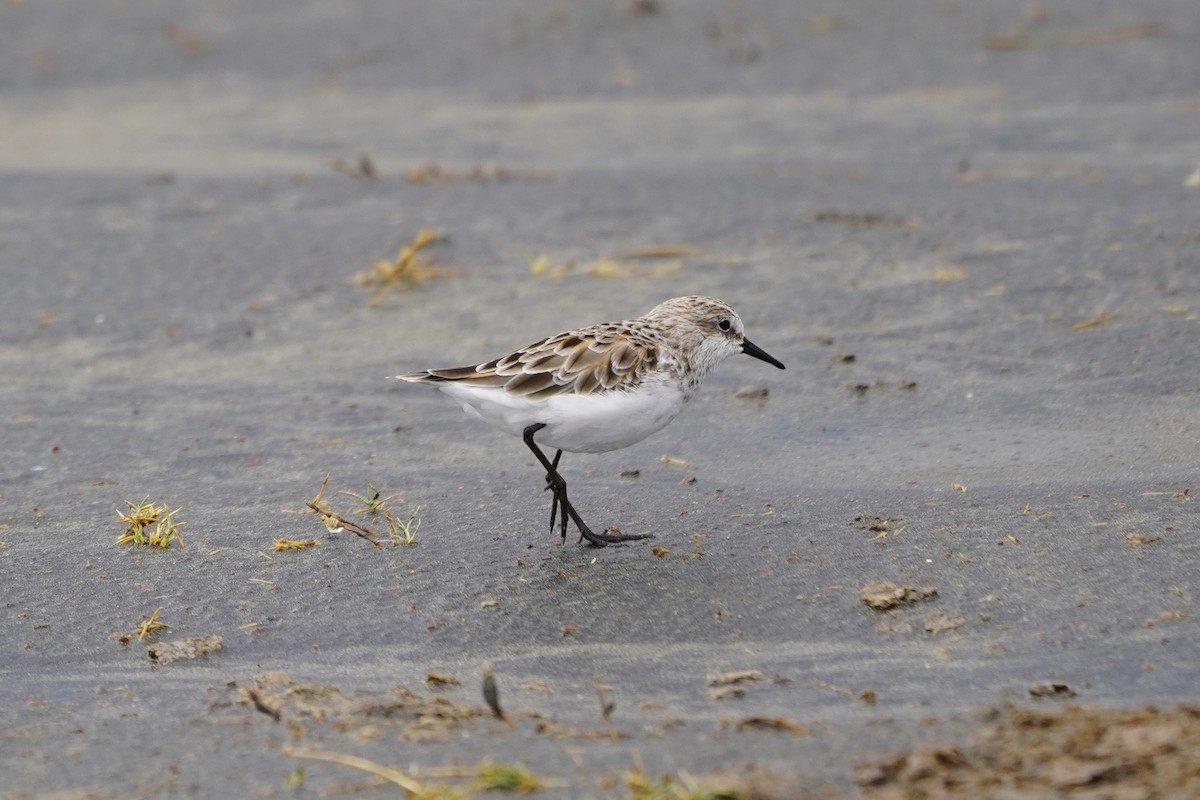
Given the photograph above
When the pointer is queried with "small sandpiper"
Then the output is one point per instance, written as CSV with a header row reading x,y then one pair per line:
x,y
599,388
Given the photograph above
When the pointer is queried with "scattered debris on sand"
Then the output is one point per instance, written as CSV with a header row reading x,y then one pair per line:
x,y
1076,751
882,595
184,649
419,718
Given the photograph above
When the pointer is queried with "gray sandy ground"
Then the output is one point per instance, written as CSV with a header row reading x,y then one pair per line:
x,y
972,234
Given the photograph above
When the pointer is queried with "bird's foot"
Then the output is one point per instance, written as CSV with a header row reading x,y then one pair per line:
x,y
607,538
558,486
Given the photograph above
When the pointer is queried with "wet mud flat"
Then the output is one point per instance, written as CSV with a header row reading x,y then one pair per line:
x,y
951,552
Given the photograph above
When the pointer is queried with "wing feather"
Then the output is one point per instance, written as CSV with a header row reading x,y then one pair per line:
x,y
578,362
530,383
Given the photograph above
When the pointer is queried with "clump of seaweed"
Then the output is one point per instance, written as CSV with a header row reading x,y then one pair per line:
x,y
150,524
282,544
413,265
378,505
375,504
405,532
151,624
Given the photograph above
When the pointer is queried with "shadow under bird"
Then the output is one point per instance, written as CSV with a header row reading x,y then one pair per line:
x,y
599,388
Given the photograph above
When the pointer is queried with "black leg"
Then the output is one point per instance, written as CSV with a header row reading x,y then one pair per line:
x,y
559,487
554,503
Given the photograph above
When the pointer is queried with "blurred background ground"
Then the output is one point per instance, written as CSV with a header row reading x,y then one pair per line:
x,y
971,232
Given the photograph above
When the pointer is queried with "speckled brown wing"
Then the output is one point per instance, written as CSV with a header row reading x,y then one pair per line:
x,y
578,362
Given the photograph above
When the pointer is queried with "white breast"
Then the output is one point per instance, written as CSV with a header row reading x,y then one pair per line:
x,y
591,423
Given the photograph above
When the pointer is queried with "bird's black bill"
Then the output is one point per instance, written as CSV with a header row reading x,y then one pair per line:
x,y
751,349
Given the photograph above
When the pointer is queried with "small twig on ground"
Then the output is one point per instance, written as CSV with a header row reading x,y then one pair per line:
x,y
387,773
335,521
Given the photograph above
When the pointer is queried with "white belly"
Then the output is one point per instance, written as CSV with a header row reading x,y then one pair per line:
x,y
592,423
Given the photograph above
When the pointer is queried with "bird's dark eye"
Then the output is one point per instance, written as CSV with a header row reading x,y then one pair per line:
x,y
724,324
